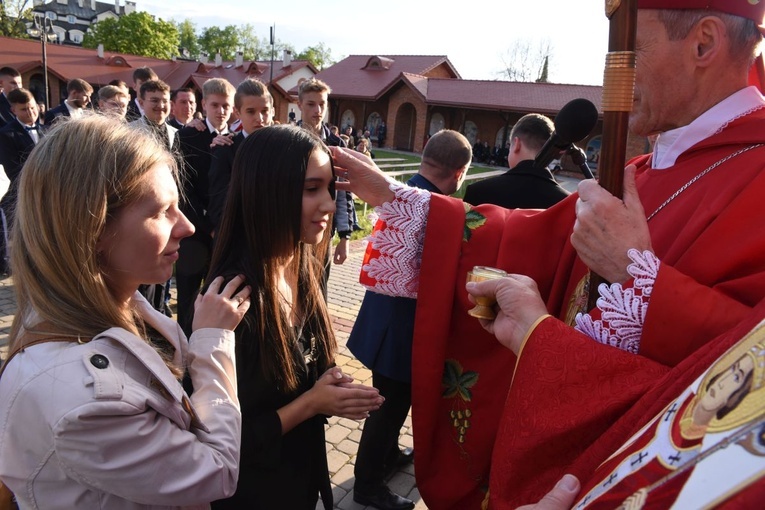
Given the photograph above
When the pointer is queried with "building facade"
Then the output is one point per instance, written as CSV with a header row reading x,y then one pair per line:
x,y
72,18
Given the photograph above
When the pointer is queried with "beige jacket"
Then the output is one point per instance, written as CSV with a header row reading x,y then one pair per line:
x,y
102,425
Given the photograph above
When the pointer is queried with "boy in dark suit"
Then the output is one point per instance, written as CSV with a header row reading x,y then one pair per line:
x,y
523,186
253,105
17,139
10,80
194,254
140,76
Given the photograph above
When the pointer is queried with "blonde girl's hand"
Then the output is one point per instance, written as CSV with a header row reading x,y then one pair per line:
x,y
222,306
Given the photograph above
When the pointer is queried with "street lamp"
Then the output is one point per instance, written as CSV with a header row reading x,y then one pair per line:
x,y
42,27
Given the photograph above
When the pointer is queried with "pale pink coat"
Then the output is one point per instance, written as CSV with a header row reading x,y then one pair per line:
x,y
76,435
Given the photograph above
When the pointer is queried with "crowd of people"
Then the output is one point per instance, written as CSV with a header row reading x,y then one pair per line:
x,y
654,398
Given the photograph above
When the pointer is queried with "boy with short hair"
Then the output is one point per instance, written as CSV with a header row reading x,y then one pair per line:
x,y
112,100
194,254
254,106
17,139
10,80
140,76
313,98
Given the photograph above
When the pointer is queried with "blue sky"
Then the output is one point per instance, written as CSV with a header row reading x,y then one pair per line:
x,y
474,37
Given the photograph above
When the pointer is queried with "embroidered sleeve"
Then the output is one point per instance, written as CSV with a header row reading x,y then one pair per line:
x,y
623,308
393,267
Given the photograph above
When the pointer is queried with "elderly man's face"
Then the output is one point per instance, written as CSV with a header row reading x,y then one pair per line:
x,y
664,84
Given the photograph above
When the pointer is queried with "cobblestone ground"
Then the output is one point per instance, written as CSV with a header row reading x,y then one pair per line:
x,y
344,297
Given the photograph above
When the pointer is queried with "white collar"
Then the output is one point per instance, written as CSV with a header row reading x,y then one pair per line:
x,y
211,129
671,144
74,112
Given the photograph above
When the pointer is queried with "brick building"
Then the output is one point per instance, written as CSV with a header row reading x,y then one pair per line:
x,y
418,95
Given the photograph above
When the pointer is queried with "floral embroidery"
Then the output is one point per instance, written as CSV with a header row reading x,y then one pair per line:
x,y
473,220
623,310
457,383
397,268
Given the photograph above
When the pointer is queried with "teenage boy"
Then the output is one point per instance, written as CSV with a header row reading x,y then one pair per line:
x,y
113,101
154,100
17,139
254,106
10,80
140,76
195,251
313,98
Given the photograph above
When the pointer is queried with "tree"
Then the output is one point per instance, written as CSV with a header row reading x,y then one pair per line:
x,y
252,46
320,56
543,75
188,38
137,33
526,60
227,41
14,15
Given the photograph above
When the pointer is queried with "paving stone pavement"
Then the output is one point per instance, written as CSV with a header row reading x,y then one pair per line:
x,y
344,298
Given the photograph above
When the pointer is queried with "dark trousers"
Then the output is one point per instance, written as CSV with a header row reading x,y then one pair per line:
x,y
379,439
191,268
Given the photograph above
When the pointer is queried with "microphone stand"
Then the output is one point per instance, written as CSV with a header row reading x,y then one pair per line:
x,y
579,158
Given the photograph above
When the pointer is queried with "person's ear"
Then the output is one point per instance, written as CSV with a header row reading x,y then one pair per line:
x,y
708,36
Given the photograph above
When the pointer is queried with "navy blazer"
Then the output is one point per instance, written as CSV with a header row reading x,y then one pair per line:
x,y
54,113
15,146
220,177
382,335
197,156
522,187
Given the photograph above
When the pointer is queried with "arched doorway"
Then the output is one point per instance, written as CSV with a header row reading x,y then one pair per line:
x,y
406,121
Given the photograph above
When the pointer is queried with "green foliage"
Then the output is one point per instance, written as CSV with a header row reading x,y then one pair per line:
x,y
320,56
225,40
14,14
188,39
137,33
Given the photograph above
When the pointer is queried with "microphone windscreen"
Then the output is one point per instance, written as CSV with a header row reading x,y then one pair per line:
x,y
576,120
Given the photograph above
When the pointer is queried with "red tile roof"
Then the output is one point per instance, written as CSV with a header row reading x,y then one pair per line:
x,y
545,98
67,62
353,78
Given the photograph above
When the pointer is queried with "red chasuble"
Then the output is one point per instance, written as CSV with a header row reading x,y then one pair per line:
x,y
710,239
659,452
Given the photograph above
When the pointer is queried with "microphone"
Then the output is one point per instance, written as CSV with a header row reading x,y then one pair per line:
x,y
574,122
579,158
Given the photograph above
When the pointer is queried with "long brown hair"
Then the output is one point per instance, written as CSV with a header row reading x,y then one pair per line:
x,y
260,230
78,177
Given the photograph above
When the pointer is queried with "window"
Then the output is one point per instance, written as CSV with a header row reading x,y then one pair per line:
x,y
51,15
71,19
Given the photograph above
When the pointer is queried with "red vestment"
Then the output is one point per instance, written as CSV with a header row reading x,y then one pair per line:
x,y
711,246
526,464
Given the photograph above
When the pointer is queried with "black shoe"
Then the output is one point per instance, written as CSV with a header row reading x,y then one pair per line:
x,y
383,499
404,457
